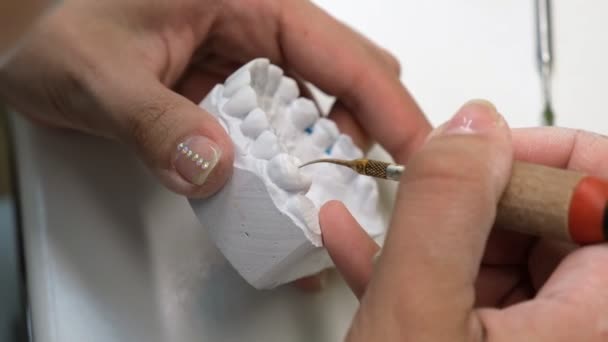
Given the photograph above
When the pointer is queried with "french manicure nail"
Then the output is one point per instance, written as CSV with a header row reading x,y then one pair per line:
x,y
474,117
195,158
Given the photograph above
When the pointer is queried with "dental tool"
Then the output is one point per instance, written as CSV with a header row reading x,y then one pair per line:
x,y
544,52
539,200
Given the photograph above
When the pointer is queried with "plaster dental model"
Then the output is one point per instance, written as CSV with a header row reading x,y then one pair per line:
x,y
265,220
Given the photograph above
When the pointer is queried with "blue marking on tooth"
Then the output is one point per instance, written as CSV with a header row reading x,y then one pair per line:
x,y
328,150
308,130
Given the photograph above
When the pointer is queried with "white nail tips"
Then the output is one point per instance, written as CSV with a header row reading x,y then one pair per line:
x,y
195,158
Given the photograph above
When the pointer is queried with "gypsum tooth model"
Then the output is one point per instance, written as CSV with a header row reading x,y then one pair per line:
x,y
265,219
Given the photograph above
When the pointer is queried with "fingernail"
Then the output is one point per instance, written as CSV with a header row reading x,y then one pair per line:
x,y
195,158
475,116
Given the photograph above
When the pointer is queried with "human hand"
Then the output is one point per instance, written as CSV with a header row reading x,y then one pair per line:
x,y
444,275
134,71
17,19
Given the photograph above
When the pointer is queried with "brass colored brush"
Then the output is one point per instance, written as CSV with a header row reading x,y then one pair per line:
x,y
539,200
367,167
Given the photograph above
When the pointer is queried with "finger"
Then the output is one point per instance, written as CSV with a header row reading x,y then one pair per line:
x,y
385,58
349,246
182,143
197,83
507,248
349,125
314,283
493,284
580,282
544,258
563,148
571,306
346,123
335,59
431,258
520,293
340,114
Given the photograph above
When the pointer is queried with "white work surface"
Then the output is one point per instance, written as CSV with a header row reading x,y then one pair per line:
x,y
112,256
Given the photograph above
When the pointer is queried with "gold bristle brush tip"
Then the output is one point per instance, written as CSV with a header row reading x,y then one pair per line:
x,y
348,163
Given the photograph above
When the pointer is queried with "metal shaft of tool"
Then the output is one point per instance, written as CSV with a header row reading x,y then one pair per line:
x,y
544,42
386,170
367,167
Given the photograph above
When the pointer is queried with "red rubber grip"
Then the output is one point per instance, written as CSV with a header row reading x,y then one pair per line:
x,y
587,221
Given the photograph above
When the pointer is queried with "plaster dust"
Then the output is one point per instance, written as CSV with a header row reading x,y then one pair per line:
x,y
265,220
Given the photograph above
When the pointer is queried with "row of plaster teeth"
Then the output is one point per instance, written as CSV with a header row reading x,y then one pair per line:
x,y
198,160
266,79
265,106
274,131
319,140
301,113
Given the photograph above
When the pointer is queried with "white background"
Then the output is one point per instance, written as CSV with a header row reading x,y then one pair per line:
x,y
455,50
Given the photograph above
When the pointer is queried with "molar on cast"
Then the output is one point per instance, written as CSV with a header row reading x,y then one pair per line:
x,y
283,171
303,113
367,185
325,133
344,148
255,123
265,146
243,101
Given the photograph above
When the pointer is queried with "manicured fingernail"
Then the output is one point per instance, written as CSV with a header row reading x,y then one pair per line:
x,y
474,117
195,158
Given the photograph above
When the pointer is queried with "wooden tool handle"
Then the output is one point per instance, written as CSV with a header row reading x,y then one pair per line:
x,y
555,203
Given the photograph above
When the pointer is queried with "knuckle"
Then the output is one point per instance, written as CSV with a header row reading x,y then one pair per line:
x,y
392,62
65,93
150,126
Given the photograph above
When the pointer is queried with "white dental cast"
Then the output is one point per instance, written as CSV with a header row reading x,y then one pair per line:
x,y
265,220
283,171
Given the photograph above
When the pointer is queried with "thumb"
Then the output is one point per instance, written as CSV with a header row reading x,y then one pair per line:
x,y
444,211
185,146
